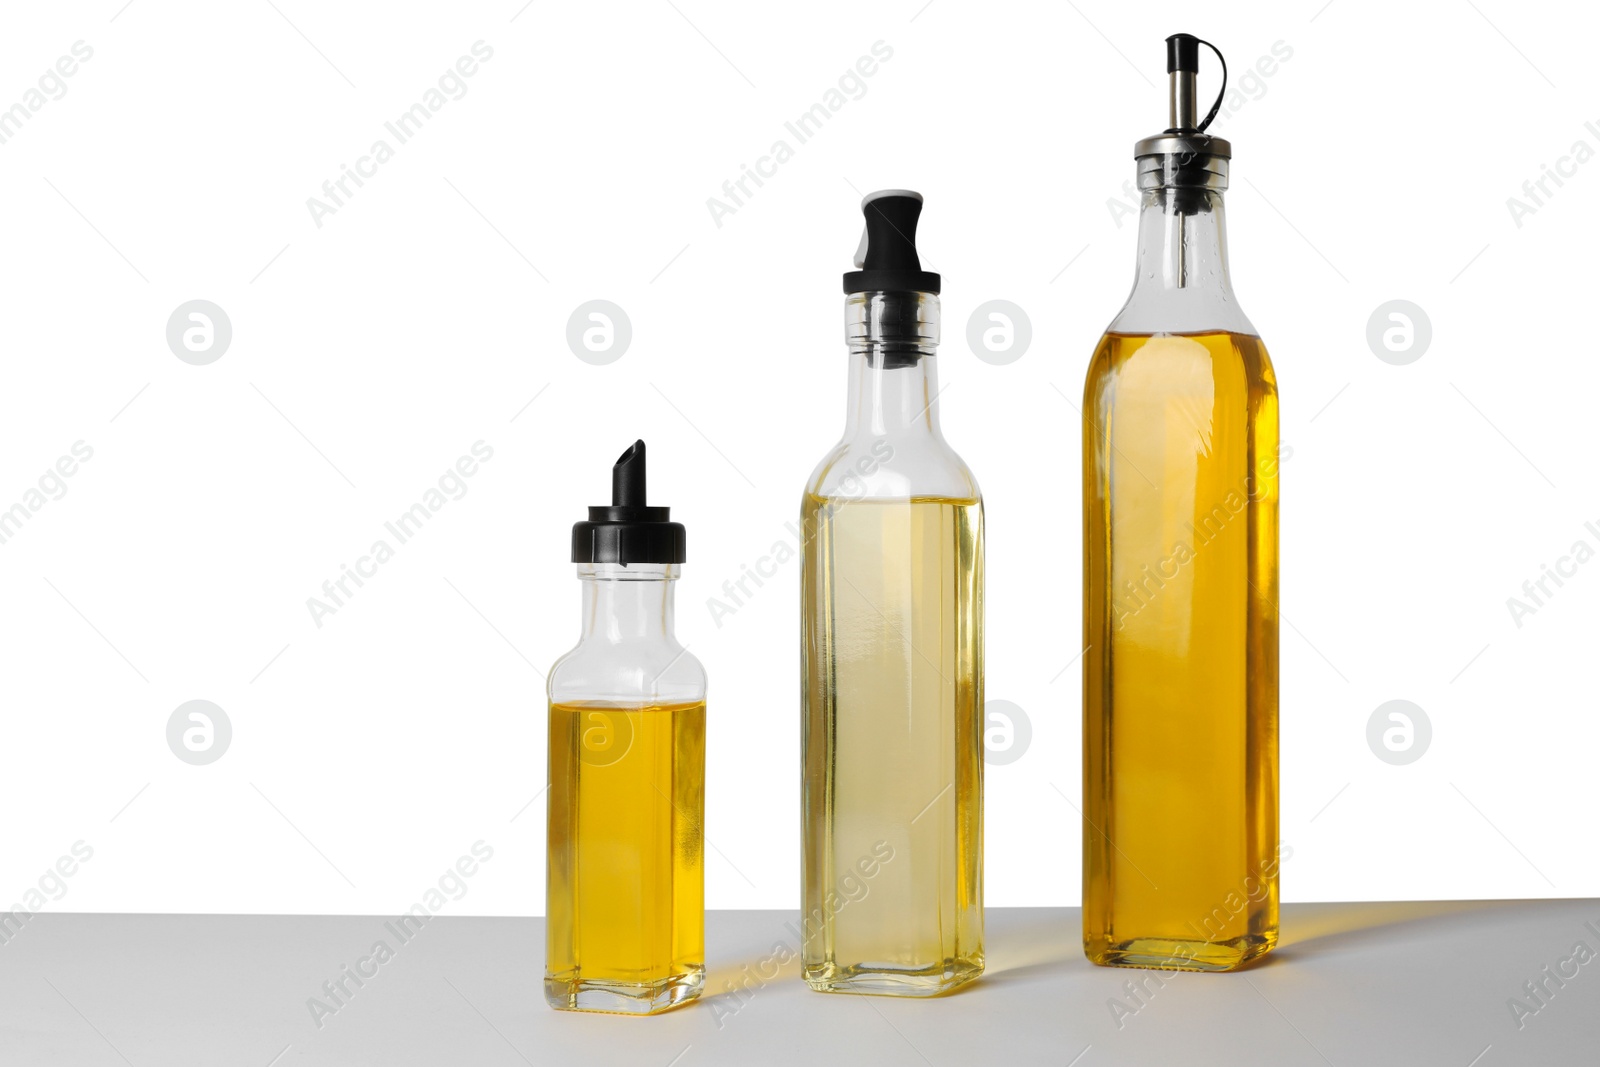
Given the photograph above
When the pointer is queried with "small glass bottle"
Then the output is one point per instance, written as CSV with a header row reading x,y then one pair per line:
x,y
625,895
1180,586
892,619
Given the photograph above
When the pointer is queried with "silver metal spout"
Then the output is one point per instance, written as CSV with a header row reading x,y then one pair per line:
x,y
1181,106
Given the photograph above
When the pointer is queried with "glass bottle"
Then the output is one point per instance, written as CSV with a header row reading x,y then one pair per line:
x,y
625,926
892,621
1180,511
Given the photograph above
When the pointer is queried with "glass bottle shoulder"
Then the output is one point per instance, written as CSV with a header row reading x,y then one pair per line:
x,y
627,674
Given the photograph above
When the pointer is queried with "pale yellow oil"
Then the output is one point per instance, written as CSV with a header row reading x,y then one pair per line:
x,y
625,894
893,646
1181,673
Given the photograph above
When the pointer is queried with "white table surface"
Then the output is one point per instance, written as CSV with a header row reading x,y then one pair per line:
x,y
1413,984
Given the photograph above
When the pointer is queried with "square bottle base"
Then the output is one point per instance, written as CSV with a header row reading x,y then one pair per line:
x,y
1176,954
571,993
884,980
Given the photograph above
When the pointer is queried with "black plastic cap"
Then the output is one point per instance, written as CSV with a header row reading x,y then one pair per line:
x,y
1183,53
888,254
628,531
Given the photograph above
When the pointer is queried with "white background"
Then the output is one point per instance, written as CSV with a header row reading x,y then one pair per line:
x,y
368,354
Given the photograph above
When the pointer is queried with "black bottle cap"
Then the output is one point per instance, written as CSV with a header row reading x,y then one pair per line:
x,y
888,253
1183,53
628,531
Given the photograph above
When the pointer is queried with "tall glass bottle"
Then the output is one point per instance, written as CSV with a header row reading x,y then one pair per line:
x,y
625,926
1180,510
892,620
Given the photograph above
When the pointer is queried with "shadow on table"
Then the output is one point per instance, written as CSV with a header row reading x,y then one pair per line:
x,y
1323,929
1034,943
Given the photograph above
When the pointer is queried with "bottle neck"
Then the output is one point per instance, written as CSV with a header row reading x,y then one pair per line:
x,y
1182,284
632,603
1182,241
894,378
892,400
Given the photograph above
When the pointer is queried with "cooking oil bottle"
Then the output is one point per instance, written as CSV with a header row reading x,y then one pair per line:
x,y
892,620
625,924
1180,511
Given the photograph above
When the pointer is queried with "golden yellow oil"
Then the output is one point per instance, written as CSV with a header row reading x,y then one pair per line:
x,y
625,900
1180,692
893,698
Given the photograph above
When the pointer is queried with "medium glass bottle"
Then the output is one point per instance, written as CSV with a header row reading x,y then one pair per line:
x,y
892,620
625,896
1180,509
